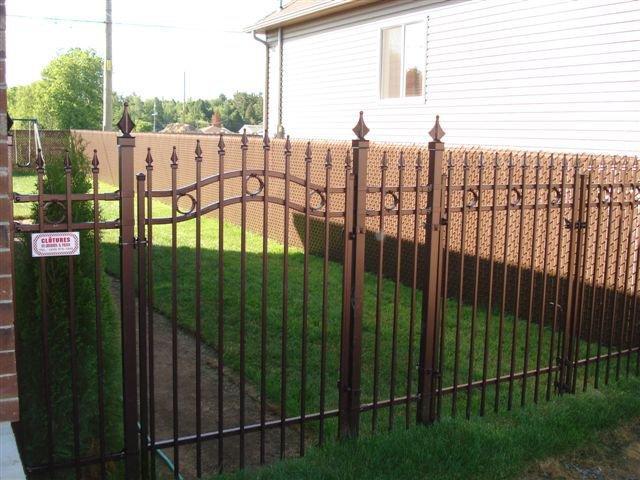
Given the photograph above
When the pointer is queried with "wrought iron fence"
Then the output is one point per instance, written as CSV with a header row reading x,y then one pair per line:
x,y
523,284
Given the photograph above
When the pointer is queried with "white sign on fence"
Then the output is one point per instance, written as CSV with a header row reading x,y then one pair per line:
x,y
55,244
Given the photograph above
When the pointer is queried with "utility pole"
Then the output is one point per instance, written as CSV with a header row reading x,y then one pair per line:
x,y
184,97
107,109
155,115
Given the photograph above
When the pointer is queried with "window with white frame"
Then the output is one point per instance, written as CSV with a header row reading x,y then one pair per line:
x,y
402,60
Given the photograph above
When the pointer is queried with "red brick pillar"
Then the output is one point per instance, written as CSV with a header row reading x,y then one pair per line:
x,y
8,379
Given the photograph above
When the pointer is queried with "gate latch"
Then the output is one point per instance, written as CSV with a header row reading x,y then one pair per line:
x,y
579,225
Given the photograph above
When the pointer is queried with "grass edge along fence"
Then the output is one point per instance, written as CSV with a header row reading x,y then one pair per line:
x,y
69,355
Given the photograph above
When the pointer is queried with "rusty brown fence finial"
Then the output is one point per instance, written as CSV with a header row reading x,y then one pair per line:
x,y
266,141
149,159
39,161
347,161
361,128
437,132
307,153
125,124
328,159
287,146
95,162
198,151
67,161
174,158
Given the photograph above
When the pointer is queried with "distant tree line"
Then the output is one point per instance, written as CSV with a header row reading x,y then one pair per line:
x,y
243,108
69,95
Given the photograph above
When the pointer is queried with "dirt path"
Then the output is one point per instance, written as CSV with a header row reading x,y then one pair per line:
x,y
615,456
187,404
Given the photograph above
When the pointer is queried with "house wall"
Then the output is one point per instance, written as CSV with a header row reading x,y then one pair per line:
x,y
543,75
8,378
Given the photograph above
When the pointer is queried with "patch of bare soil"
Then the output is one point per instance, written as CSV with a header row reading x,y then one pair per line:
x,y
615,456
163,394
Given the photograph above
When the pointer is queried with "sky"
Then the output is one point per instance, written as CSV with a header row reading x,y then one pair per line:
x,y
155,42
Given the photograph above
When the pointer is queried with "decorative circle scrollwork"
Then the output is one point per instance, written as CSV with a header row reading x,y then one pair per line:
x,y
317,200
259,188
636,194
555,196
50,208
192,204
517,201
394,201
473,198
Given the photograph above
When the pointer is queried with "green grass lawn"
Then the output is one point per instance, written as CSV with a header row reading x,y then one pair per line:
x,y
497,447
186,299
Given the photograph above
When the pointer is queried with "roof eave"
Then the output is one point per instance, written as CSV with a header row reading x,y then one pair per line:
x,y
305,15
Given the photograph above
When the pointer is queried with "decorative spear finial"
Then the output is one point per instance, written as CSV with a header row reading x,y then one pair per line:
x,y
361,128
245,140
328,160
39,160
221,144
307,153
198,150
437,132
385,160
481,163
67,161
94,161
347,160
401,162
266,142
287,146
174,158
125,124
419,163
149,159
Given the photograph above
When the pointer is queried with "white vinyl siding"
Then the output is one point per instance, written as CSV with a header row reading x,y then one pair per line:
x,y
548,75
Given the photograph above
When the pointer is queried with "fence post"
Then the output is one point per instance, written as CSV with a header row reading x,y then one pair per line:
x,y
577,224
427,374
126,144
351,340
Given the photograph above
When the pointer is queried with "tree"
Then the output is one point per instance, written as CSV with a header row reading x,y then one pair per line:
x,y
69,95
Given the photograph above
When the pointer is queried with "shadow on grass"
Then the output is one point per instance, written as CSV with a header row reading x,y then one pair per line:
x,y
407,325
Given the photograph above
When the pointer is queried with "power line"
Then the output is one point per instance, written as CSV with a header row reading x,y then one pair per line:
x,y
125,24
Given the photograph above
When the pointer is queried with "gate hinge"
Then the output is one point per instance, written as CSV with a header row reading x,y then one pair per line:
x,y
579,225
139,242
347,388
564,361
562,387
432,371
